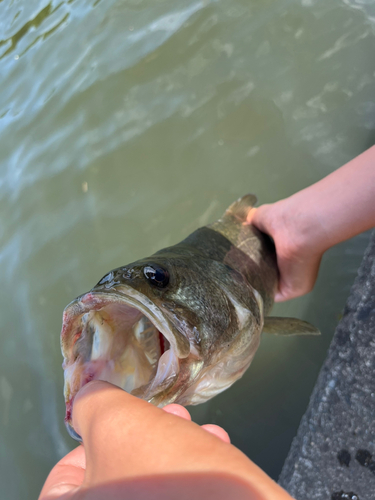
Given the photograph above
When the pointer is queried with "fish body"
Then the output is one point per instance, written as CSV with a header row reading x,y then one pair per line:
x,y
182,325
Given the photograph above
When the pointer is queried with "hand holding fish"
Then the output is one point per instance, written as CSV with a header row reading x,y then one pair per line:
x,y
311,221
133,450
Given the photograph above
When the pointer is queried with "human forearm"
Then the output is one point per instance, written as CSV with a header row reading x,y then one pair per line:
x,y
339,206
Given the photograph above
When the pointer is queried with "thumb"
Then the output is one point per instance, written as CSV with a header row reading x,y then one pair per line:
x,y
251,216
126,437
260,219
110,422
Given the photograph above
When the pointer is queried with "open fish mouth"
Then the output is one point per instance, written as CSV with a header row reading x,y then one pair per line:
x,y
121,337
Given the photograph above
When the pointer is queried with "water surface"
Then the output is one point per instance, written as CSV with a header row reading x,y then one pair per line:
x,y
125,125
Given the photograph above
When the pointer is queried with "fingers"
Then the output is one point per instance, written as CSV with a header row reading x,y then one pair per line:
x,y
217,431
182,412
298,275
178,410
298,258
280,297
66,477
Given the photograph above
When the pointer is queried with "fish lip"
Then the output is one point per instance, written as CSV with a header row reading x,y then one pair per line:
x,y
96,299
72,433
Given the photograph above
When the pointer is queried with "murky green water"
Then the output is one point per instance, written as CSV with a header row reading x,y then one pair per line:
x,y
126,124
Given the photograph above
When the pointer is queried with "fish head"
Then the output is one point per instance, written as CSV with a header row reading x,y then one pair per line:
x,y
156,327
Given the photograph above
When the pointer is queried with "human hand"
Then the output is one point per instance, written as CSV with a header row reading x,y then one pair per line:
x,y
133,450
320,216
298,255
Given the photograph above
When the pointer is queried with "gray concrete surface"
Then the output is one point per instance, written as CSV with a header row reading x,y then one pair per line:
x,y
333,454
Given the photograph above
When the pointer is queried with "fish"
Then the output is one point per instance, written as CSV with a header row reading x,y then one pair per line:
x,y
182,325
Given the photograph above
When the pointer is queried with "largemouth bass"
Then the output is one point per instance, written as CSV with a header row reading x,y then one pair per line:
x,y
182,325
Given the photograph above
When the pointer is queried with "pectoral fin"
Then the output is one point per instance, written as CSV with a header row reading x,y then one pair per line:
x,y
288,326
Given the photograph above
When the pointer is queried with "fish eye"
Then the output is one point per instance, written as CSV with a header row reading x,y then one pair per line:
x,y
156,275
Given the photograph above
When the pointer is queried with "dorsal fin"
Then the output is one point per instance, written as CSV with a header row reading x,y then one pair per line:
x,y
241,207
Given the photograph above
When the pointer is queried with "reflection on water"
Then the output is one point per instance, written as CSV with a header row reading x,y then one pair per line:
x,y
11,43
124,125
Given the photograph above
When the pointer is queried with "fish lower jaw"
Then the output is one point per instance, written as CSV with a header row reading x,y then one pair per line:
x,y
117,343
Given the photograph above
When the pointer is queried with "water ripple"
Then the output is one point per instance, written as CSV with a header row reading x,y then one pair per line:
x,y
121,123
12,42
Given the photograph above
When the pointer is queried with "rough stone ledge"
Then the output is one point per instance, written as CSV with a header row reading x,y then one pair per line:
x,y
338,427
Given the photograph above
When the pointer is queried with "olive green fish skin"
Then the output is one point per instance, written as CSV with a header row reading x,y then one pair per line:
x,y
253,254
211,310
202,269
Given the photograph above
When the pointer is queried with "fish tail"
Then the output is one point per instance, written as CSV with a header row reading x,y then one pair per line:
x,y
241,207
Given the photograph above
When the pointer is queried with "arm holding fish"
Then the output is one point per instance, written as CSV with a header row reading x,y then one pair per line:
x,y
134,450
313,220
